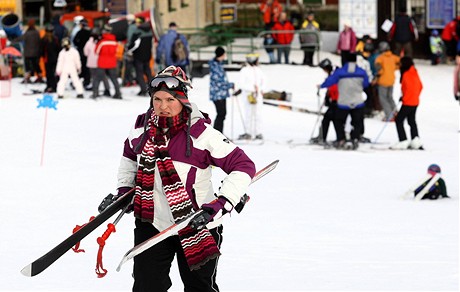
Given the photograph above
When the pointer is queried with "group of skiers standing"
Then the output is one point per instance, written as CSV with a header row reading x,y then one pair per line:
x,y
344,96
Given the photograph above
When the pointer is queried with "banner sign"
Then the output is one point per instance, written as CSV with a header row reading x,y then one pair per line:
x,y
439,13
228,13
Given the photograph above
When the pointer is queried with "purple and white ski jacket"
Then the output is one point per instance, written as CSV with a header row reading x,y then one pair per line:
x,y
209,148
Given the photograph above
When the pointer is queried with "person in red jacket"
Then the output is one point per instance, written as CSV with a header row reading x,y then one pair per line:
x,y
106,49
450,38
411,87
271,10
284,37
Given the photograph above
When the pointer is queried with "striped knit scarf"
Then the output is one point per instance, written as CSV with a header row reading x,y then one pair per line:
x,y
199,246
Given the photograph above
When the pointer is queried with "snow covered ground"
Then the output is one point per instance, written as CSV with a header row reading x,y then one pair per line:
x,y
323,220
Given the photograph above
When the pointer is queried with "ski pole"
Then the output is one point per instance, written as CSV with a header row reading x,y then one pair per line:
x,y
320,107
241,114
100,271
386,122
233,117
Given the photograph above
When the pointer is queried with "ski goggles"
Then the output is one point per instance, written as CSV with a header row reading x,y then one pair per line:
x,y
171,83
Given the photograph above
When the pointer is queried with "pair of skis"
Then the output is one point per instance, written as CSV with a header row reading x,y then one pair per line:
x,y
432,179
42,263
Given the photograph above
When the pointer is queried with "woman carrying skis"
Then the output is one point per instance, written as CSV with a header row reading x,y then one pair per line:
x,y
168,158
411,87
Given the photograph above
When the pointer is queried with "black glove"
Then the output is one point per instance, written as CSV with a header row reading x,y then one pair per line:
x,y
218,207
236,93
109,199
106,202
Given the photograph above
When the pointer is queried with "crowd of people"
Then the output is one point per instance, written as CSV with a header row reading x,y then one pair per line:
x,y
88,56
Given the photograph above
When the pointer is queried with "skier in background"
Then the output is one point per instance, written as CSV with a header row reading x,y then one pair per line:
x,y
68,65
330,100
169,157
351,81
218,87
411,87
386,64
164,54
252,82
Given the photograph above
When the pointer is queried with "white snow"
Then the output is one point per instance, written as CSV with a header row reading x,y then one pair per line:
x,y
323,220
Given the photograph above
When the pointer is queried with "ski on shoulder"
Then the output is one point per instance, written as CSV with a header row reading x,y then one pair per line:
x,y
173,229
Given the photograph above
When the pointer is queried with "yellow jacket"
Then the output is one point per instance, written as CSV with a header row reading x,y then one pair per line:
x,y
386,64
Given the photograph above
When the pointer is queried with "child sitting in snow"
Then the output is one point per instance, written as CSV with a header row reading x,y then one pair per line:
x,y
438,189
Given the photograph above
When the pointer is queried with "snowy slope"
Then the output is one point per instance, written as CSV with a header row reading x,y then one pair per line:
x,y
323,220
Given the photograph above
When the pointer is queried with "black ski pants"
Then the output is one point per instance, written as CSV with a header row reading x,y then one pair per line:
x,y
51,80
328,117
142,71
221,109
152,267
357,121
409,113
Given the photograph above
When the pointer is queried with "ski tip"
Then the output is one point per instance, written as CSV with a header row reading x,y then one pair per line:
x,y
27,271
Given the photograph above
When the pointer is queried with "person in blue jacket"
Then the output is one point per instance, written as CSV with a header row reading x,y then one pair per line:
x,y
218,88
351,81
165,55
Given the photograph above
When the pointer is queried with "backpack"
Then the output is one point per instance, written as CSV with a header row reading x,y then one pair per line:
x,y
178,50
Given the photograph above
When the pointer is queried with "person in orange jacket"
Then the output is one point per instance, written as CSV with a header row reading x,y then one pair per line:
x,y
284,37
271,10
386,64
411,87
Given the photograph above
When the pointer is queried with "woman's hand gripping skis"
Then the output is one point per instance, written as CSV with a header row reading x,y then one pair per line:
x,y
196,220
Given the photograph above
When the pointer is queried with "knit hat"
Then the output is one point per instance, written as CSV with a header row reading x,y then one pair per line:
x,y
173,81
219,51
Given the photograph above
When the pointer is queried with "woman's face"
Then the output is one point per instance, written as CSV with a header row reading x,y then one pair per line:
x,y
166,105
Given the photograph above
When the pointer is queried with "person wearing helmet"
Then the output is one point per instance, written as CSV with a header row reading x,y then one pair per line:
x,y
168,158
330,100
438,190
251,83
68,65
49,51
386,65
436,47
